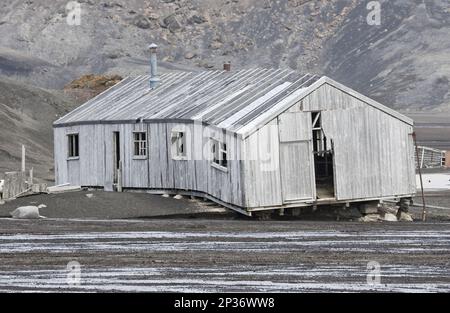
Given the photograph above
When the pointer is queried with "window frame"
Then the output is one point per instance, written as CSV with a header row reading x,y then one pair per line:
x,y
140,142
219,148
73,146
178,141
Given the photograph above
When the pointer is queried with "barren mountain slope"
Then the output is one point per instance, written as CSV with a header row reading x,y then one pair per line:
x,y
404,62
26,116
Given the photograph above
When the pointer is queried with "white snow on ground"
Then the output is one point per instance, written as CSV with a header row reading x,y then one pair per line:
x,y
330,276
292,279
434,181
398,241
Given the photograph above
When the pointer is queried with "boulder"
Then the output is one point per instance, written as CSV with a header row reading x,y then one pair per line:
x,y
165,195
142,22
171,22
389,217
26,212
189,55
197,19
90,195
178,197
370,218
405,217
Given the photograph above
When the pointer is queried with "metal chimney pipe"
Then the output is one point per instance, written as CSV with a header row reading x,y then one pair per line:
x,y
154,79
227,66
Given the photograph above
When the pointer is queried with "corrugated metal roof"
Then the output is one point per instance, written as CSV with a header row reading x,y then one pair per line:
x,y
228,100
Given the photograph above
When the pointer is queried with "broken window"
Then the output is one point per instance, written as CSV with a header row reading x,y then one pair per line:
x,y
140,144
220,154
73,149
319,138
179,144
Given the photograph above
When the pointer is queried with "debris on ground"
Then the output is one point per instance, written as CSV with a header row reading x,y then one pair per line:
x,y
26,212
90,195
63,188
178,197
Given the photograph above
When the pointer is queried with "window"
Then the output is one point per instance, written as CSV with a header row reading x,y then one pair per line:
x,y
319,138
179,145
140,144
73,151
219,151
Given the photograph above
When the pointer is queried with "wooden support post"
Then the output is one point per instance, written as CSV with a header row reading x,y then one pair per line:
x,y
119,177
30,180
23,158
424,209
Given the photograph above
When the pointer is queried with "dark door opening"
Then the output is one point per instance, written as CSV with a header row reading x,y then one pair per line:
x,y
116,154
323,150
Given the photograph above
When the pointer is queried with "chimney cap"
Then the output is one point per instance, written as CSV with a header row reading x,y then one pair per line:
x,y
152,46
227,66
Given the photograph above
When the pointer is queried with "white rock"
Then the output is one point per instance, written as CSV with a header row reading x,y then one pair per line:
x,y
178,197
2,202
41,206
370,218
26,212
2,183
89,195
405,217
165,195
389,217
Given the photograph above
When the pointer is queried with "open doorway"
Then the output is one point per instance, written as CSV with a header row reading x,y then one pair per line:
x,y
323,150
116,155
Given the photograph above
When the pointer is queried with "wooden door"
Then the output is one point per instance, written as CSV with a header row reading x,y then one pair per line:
x,y
296,157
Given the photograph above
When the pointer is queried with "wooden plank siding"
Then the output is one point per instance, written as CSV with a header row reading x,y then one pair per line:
x,y
374,152
159,170
262,167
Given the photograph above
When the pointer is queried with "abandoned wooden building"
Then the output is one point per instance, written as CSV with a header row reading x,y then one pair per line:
x,y
254,139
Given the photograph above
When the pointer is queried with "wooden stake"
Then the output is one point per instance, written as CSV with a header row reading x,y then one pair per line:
x,y
424,209
30,180
23,158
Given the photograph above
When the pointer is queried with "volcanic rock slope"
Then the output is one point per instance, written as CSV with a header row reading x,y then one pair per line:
x,y
404,62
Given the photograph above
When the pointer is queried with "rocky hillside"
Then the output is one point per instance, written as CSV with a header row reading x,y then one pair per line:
x,y
26,116
404,62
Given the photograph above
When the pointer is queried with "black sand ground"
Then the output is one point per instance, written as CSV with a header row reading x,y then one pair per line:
x,y
198,255
107,205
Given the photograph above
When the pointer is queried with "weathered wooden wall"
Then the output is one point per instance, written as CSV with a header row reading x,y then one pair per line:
x,y
159,170
374,151
262,167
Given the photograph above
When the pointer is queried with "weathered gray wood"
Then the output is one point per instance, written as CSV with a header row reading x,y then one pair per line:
x,y
15,184
271,166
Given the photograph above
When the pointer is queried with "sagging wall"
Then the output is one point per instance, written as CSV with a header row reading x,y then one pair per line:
x,y
374,151
159,170
262,167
